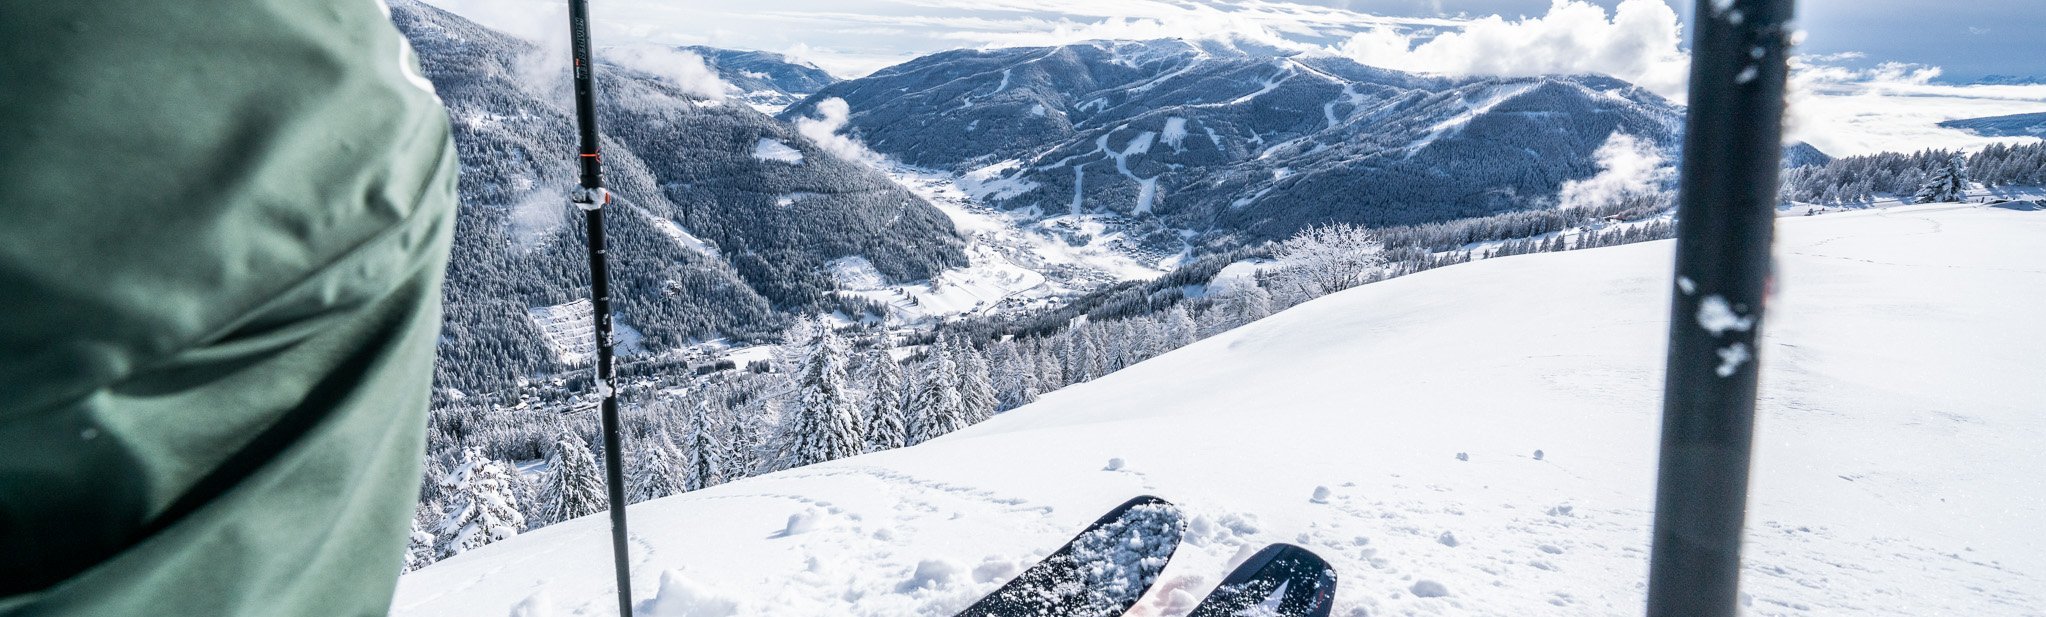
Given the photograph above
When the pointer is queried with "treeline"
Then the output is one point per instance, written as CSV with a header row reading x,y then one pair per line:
x,y
1863,179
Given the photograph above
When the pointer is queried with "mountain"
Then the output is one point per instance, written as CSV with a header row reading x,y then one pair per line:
x,y
1337,425
2009,80
1802,154
726,222
767,80
2016,125
1236,142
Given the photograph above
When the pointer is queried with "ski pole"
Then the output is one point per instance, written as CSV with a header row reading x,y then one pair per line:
x,y
1733,142
591,197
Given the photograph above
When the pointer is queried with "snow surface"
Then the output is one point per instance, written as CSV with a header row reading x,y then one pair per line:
x,y
1896,470
770,149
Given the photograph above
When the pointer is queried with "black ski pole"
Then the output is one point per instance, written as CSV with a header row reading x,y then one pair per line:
x,y
1733,142
591,197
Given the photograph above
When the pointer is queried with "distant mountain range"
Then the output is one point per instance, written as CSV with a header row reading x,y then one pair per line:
x,y
727,216
2016,125
1227,143
765,79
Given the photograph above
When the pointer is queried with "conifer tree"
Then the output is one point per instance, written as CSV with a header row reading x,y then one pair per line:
x,y
1015,375
703,460
656,471
935,409
976,384
1180,329
573,486
482,507
1050,376
1947,181
419,544
885,425
824,424
1080,354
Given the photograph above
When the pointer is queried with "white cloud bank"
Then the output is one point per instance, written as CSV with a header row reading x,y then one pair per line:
x,y
1842,111
684,69
1640,41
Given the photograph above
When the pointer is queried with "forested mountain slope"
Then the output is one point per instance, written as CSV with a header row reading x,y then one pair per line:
x,y
1239,142
726,221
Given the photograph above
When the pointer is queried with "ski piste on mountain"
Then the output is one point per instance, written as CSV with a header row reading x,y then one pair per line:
x,y
1104,570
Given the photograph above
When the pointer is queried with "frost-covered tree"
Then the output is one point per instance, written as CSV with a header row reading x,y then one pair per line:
x,y
656,471
481,509
1248,303
419,551
885,425
1946,181
825,423
703,458
1050,376
935,408
1331,258
573,486
977,399
1081,356
1015,375
1179,329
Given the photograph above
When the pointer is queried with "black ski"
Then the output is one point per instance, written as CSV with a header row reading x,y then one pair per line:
x,y
1101,573
1280,581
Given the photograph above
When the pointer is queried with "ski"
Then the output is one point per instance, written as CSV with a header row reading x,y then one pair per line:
x,y
1100,573
1280,581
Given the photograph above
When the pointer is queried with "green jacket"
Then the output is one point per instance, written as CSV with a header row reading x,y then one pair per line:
x,y
223,225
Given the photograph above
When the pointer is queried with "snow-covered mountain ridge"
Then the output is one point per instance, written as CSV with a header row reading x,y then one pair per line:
x,y
1898,428
1240,142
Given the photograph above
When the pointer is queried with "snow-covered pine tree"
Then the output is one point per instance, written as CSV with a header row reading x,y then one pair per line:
x,y
573,487
1081,355
703,459
656,471
481,506
1947,181
824,424
935,408
419,544
976,383
885,425
1050,376
1015,375
1180,329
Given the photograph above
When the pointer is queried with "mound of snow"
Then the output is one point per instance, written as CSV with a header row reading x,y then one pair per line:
x,y
1899,426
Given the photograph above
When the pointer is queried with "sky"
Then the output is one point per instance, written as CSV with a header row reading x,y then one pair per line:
x,y
1872,75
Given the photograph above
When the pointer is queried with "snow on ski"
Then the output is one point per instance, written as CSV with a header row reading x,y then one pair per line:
x,y
1280,581
1101,573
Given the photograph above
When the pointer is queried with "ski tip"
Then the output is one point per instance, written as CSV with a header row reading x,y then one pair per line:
x,y
1282,580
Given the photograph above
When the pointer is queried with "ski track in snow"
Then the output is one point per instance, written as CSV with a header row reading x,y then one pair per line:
x,y
1896,439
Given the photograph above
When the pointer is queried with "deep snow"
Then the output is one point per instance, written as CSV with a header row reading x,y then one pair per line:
x,y
1897,470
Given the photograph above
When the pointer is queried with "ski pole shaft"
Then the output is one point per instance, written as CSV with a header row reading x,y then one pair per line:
x,y
591,198
1733,143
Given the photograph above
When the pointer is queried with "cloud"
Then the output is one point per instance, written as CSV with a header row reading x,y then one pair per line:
x,y
1893,106
832,115
1640,41
1628,167
683,68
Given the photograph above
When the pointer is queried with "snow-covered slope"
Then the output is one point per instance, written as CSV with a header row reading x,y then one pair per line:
x,y
1897,470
